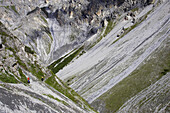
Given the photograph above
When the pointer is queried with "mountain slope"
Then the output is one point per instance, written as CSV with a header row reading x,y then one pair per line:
x,y
19,62
114,58
54,28
113,53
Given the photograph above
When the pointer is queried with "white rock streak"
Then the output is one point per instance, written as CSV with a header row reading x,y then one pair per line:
x,y
107,64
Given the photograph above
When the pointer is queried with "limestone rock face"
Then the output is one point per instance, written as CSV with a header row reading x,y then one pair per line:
x,y
114,54
17,63
47,25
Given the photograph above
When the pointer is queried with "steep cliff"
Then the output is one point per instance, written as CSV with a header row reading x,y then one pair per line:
x,y
112,53
17,62
53,28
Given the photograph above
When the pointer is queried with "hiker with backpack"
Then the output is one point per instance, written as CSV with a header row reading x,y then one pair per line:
x,y
28,80
42,78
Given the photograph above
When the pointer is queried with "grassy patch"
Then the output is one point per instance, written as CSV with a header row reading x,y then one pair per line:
x,y
47,30
51,96
54,63
109,27
53,83
135,9
4,33
19,61
23,77
98,40
68,92
8,78
44,19
28,50
147,73
49,34
127,30
35,70
17,27
6,7
14,9
66,61
48,48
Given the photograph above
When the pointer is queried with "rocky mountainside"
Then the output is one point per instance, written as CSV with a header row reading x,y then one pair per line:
x,y
114,54
17,62
54,28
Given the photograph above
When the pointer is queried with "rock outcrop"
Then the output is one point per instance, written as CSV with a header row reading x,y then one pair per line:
x,y
48,26
17,62
111,53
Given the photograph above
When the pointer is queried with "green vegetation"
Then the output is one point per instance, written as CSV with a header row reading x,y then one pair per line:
x,y
44,19
53,83
35,70
7,7
54,63
28,50
4,33
48,48
17,27
82,52
49,34
98,40
135,9
10,55
51,96
164,72
23,77
19,61
66,61
8,78
47,30
14,9
109,27
11,7
127,30
68,92
147,73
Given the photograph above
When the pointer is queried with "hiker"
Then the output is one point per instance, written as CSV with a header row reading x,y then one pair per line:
x,y
28,80
0,46
42,78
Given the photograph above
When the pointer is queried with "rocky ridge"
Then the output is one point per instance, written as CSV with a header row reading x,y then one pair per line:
x,y
17,62
53,28
95,47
